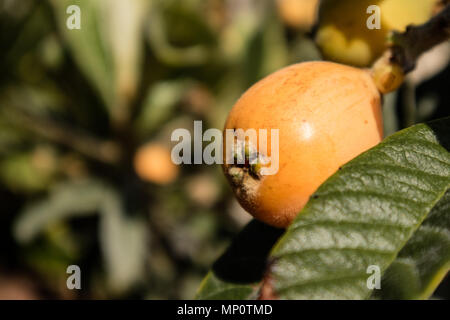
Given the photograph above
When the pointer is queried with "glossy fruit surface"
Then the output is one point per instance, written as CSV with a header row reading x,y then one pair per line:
x,y
326,114
343,35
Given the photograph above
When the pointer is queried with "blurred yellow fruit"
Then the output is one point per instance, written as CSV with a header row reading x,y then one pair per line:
x,y
343,35
153,163
298,14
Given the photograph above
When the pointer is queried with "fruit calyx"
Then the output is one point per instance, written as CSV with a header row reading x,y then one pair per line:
x,y
246,160
244,169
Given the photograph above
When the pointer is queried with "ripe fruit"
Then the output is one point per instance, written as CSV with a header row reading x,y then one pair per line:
x,y
326,114
343,35
153,163
298,14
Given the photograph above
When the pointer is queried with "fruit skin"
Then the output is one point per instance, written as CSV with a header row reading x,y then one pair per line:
x,y
298,14
153,163
342,33
326,114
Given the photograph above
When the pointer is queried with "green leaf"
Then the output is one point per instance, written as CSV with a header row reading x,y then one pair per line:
x,y
213,288
64,200
166,52
362,216
424,261
123,239
237,273
159,103
122,27
89,46
29,171
108,47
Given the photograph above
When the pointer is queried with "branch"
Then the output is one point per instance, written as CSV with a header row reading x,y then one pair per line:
x,y
405,48
104,151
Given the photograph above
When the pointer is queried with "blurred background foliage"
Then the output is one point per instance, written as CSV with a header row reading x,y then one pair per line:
x,y
85,123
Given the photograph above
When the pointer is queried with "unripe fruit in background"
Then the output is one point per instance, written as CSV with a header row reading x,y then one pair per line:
x,y
153,163
298,14
343,35
326,114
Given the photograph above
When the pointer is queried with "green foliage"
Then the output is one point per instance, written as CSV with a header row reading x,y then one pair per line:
x,y
123,239
424,260
239,270
159,104
26,172
373,211
89,46
65,200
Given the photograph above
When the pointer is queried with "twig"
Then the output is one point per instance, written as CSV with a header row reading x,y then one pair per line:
x,y
406,48
104,151
409,104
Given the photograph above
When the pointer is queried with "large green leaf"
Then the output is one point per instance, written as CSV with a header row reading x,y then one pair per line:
x,y
365,214
362,216
424,261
